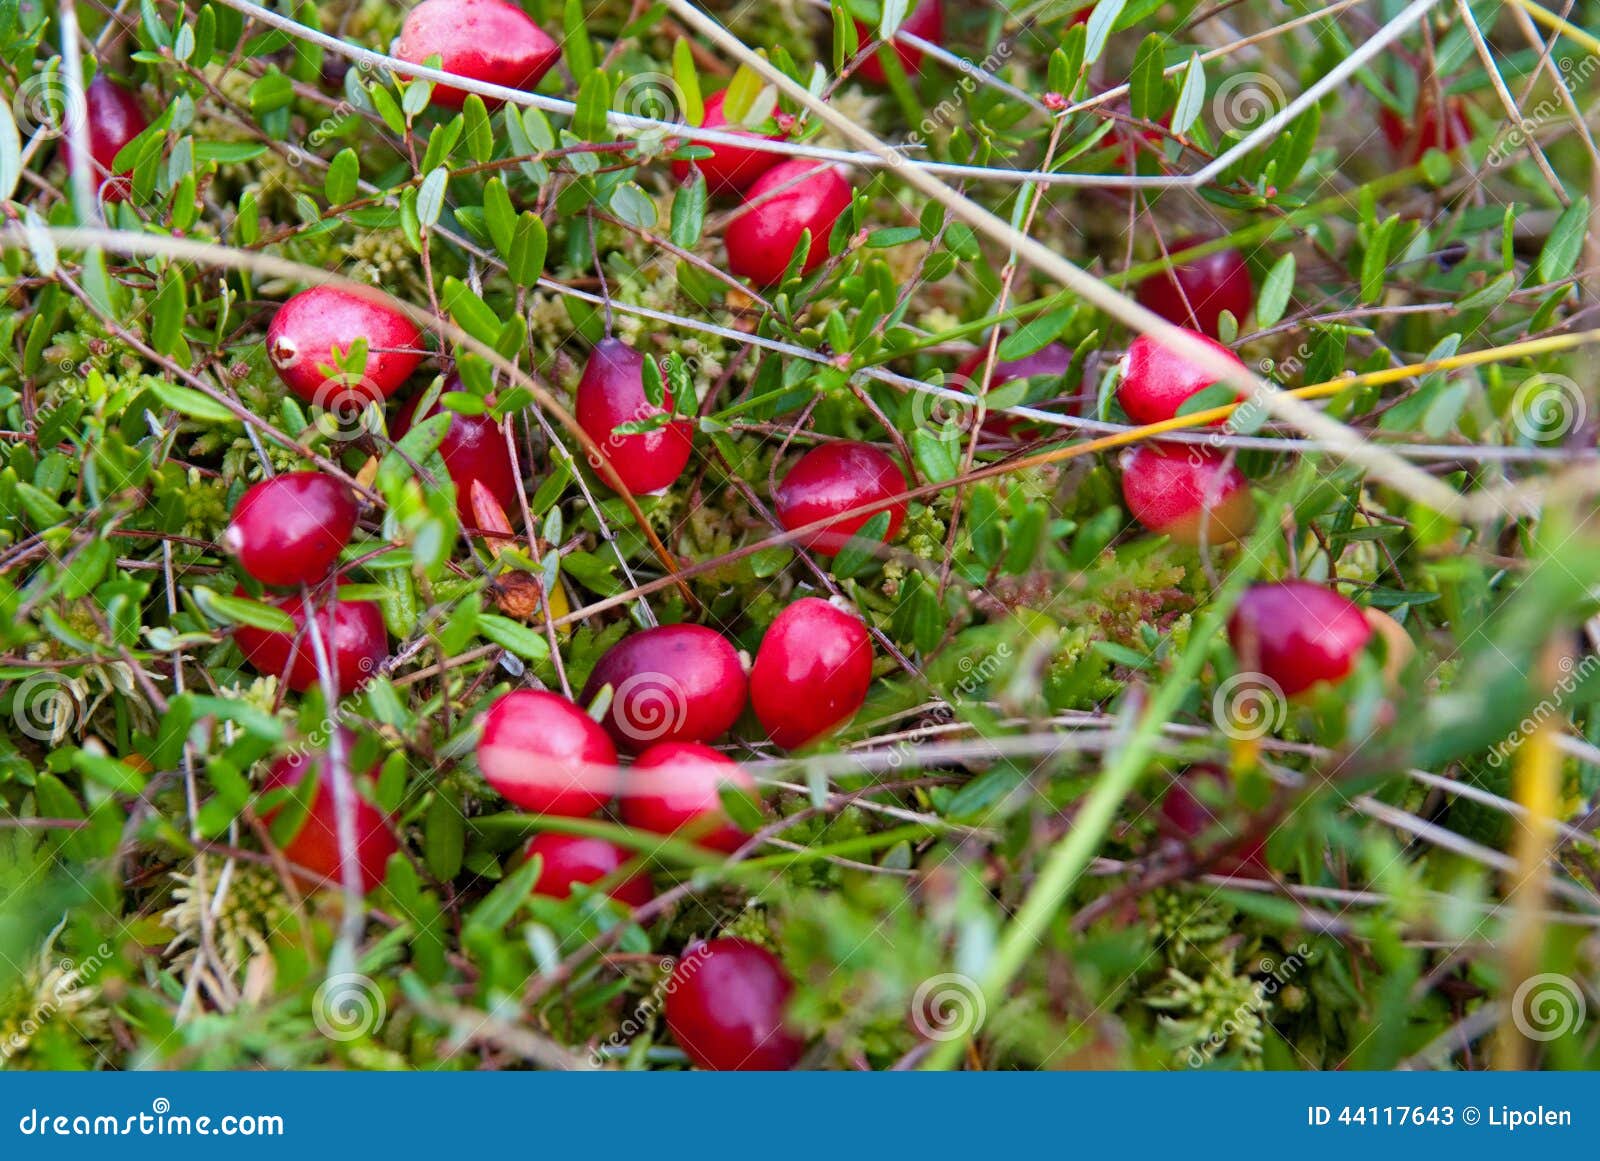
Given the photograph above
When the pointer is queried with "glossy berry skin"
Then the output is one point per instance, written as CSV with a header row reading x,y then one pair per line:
x,y
811,673
836,477
677,787
1156,380
353,633
1297,634
315,845
474,448
568,859
729,169
761,241
673,683
725,1008
1184,816
543,754
113,118
1410,142
307,328
289,530
1183,492
926,20
484,40
611,392
1196,293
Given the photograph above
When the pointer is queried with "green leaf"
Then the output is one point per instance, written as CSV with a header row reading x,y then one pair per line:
x,y
1035,334
1098,31
687,78
479,130
689,209
166,315
594,102
233,610
525,262
528,644
444,834
1275,291
575,44
861,549
1561,249
632,205
344,173
470,312
1192,97
430,198
1147,87
10,153
188,401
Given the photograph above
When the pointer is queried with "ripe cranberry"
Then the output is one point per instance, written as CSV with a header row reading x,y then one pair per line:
x,y
315,846
675,683
725,1008
1184,816
575,858
1156,380
1180,491
484,40
926,20
545,755
836,477
677,786
113,117
811,672
611,392
1297,633
761,241
729,168
308,327
352,633
474,448
1196,293
1410,142
290,529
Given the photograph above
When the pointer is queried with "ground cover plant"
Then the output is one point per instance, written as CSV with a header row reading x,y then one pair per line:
x,y
829,534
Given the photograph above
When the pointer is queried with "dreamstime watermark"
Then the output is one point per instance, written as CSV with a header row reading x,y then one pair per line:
x,y
44,106
943,115
159,1121
1249,706
648,706
68,978
1278,973
1517,135
674,974
1547,1006
652,96
348,1006
948,1006
1573,674
49,707
1244,100
1548,407
976,674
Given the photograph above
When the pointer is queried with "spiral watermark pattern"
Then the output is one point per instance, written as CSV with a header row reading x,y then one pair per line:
x,y
45,106
47,707
649,706
946,419
656,96
1244,100
1547,407
1548,1006
348,1006
346,408
1249,706
948,1006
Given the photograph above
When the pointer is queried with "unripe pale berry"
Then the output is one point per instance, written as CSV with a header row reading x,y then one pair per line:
x,y
761,240
811,673
729,169
1297,634
569,859
675,788
674,683
314,848
543,754
1192,494
725,1007
483,40
833,478
290,529
1196,293
610,393
1157,380
353,634
306,330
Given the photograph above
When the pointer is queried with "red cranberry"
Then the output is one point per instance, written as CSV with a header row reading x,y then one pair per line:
x,y
474,448
725,1008
761,241
677,786
811,673
1410,142
675,683
289,530
113,117
836,477
483,40
1184,816
567,859
1297,634
1156,380
1180,491
926,20
352,632
611,392
1196,293
1050,361
729,168
315,846
308,327
544,755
